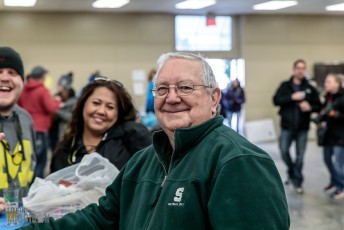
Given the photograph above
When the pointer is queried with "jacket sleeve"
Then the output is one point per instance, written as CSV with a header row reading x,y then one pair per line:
x,y
232,204
59,159
338,106
282,96
93,217
241,97
314,100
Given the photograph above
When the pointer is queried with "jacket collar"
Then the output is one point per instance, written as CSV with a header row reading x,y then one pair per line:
x,y
115,132
303,82
185,138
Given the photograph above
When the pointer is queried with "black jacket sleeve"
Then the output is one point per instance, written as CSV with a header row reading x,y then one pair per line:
x,y
283,95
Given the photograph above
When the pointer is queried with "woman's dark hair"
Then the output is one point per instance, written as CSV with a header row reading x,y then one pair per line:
x,y
126,108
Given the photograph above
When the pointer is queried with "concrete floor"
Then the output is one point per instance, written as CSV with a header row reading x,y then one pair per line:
x,y
313,210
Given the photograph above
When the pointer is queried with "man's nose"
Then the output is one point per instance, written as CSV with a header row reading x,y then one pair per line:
x,y
173,89
172,95
4,76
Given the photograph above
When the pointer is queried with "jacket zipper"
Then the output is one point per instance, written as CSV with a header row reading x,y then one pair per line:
x,y
163,181
151,206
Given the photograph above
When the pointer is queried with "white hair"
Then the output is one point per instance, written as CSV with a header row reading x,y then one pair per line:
x,y
208,76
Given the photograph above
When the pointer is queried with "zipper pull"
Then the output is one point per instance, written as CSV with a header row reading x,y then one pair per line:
x,y
163,182
158,194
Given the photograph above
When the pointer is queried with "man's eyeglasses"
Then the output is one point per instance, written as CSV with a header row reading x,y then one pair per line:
x,y
119,84
17,157
182,89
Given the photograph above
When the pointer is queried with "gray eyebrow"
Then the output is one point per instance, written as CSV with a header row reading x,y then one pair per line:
x,y
178,83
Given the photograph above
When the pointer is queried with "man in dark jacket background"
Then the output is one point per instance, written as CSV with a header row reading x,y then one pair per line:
x,y
297,100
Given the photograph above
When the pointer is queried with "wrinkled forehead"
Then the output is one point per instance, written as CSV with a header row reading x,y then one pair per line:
x,y
179,70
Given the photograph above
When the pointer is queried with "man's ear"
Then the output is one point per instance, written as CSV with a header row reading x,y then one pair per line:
x,y
215,99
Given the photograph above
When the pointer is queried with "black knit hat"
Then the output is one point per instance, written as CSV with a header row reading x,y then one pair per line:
x,y
9,58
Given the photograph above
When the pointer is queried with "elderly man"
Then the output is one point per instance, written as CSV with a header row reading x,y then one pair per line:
x,y
198,174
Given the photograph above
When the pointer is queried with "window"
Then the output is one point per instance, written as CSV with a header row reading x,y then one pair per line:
x,y
226,71
192,34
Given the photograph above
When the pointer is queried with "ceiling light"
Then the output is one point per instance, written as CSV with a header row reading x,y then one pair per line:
x,y
274,5
195,4
109,3
336,7
23,3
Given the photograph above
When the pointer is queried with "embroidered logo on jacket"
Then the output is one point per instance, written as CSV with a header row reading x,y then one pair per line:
x,y
178,198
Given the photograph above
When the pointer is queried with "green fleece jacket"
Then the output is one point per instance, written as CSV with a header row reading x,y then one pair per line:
x,y
216,180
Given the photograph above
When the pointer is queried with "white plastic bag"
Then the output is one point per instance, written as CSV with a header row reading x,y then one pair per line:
x,y
88,179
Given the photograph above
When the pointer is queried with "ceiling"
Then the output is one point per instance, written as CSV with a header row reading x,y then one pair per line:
x,y
223,7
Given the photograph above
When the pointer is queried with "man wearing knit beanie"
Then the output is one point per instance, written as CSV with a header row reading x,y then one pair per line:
x,y
16,127
11,81
9,58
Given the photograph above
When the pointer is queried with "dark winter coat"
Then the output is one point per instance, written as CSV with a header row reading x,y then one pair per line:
x,y
118,145
283,99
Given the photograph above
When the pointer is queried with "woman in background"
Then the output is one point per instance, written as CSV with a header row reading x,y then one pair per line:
x,y
333,115
103,121
235,98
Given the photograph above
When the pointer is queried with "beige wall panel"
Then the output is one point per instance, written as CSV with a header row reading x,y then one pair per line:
x,y
115,44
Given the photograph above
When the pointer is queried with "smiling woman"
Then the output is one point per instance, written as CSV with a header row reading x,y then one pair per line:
x,y
104,122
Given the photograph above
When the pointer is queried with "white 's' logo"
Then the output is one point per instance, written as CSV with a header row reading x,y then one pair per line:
x,y
179,195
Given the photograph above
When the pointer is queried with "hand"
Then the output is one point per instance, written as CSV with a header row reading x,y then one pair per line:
x,y
332,113
2,136
61,105
298,96
58,98
305,106
2,204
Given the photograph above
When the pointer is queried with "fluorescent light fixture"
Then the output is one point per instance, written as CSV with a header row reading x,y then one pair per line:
x,y
109,3
336,7
195,4
274,5
22,3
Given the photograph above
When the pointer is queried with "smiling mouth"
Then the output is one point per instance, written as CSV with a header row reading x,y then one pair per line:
x,y
173,111
5,89
98,119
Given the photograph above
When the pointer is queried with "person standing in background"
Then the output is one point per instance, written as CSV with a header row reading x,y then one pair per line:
x,y
297,99
235,98
37,100
17,137
333,114
62,117
150,98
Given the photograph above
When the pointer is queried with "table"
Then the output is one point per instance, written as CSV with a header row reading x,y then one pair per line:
x,y
3,225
